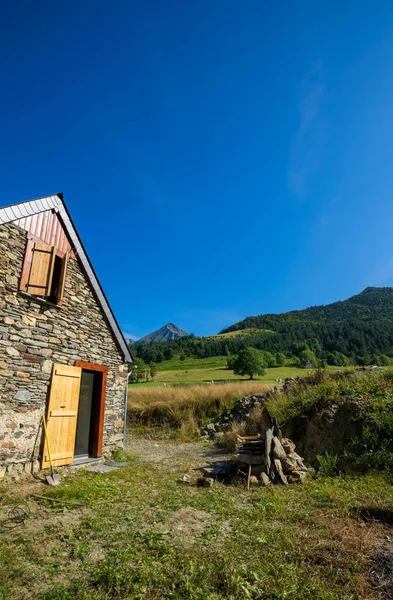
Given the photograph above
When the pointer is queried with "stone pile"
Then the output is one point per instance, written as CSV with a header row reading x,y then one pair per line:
x,y
240,412
268,457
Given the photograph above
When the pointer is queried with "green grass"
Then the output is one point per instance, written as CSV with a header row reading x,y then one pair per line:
x,y
137,534
175,364
213,369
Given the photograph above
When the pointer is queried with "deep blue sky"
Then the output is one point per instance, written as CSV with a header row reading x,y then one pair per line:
x,y
219,158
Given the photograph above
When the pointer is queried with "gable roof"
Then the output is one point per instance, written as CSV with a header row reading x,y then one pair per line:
x,y
56,203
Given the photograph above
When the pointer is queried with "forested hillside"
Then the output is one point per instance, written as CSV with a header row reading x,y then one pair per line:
x,y
359,328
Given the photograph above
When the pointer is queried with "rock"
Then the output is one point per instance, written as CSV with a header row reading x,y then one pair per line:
x,y
184,479
210,427
47,366
12,351
268,447
297,477
205,482
264,479
276,429
301,466
278,450
27,320
266,420
288,445
22,396
289,465
295,456
254,480
218,435
279,471
2,472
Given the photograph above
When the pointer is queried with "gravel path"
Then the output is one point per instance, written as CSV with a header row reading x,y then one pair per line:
x,y
199,453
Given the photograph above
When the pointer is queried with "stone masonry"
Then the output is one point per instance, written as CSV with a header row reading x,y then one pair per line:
x,y
33,336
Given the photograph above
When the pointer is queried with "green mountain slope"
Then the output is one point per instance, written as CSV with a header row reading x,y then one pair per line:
x,y
360,327
372,305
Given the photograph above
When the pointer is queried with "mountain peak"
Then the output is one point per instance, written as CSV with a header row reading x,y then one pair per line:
x,y
170,331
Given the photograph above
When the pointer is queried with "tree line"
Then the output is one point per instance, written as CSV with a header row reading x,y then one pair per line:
x,y
359,342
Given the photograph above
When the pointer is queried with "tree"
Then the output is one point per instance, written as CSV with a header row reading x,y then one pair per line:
x,y
139,370
269,359
382,360
249,362
280,359
337,359
153,370
308,356
231,361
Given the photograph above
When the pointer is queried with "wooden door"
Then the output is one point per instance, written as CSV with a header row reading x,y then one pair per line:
x,y
62,415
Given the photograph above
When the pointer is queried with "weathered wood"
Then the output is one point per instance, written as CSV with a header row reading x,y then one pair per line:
x,y
249,477
41,272
250,459
64,397
24,280
62,279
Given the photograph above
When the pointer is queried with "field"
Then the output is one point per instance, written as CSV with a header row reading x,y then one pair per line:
x,y
137,534
179,411
241,332
213,370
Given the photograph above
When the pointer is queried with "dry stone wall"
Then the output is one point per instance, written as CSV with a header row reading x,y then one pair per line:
x,y
33,336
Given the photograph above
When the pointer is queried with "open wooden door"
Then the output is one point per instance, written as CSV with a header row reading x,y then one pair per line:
x,y
62,415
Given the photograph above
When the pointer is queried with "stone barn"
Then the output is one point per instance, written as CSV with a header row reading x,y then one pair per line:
x,y
62,353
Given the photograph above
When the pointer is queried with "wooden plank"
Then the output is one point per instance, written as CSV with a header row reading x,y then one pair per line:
x,y
41,272
91,366
62,370
60,456
23,282
63,398
63,273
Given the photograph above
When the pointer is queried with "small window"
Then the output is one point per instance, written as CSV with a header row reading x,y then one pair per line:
x,y
43,272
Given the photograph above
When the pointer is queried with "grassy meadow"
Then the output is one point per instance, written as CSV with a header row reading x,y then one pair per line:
x,y
185,394
211,370
181,410
137,534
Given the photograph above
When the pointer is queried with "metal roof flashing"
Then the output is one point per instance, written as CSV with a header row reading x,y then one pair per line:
x,y
56,202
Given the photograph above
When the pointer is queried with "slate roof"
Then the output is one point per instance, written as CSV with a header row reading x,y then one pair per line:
x,y
56,202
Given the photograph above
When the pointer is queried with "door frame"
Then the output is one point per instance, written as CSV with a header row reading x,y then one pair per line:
x,y
99,406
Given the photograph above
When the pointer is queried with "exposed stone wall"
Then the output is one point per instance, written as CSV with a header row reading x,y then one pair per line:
x,y
34,336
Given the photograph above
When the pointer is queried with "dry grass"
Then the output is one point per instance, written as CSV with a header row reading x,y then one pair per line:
x,y
185,408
